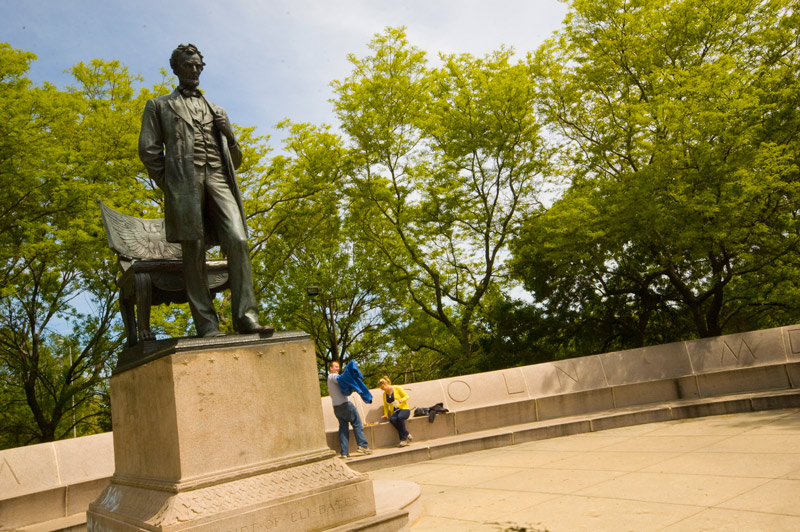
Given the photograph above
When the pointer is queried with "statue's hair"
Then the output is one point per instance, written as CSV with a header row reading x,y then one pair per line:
x,y
188,49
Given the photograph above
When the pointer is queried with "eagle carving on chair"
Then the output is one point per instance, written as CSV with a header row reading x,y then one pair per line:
x,y
138,238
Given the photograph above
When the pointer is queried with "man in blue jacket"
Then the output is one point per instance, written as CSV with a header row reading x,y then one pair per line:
x,y
346,413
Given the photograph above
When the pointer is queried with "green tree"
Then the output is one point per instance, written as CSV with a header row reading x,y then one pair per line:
x,y
301,238
444,160
61,150
677,122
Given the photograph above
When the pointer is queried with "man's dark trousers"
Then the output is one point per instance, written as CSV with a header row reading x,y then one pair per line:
x,y
221,208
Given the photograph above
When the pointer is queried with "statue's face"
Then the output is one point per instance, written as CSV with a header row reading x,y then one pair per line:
x,y
189,70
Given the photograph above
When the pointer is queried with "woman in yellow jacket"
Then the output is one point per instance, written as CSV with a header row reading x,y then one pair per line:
x,y
396,409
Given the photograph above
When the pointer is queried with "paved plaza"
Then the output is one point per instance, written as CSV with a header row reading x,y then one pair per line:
x,y
732,473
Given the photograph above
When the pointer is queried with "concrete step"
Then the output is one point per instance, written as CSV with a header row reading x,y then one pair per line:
x,y
515,434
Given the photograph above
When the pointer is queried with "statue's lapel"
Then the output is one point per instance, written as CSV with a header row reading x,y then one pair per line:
x,y
179,106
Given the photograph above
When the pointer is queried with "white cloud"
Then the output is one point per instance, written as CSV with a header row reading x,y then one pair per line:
x,y
267,59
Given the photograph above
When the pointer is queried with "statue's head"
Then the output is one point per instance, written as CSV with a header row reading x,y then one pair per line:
x,y
187,63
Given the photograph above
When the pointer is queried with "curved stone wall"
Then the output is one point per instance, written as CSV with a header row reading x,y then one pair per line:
x,y
694,370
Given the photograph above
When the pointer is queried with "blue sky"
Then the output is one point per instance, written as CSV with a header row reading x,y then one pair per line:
x,y
266,60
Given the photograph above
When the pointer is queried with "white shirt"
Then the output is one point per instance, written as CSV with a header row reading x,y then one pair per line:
x,y
337,397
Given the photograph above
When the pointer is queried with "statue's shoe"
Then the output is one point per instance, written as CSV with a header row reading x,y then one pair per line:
x,y
256,328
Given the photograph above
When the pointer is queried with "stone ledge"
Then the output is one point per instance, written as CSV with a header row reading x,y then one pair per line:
x,y
150,350
389,522
692,389
738,363
75,522
516,434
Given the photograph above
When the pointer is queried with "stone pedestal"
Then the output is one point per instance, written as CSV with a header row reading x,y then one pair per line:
x,y
227,434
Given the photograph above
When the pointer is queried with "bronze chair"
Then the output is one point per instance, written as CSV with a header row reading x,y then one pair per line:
x,y
152,270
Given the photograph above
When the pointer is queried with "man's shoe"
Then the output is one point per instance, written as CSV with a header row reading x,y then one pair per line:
x,y
363,450
403,443
212,334
409,438
256,328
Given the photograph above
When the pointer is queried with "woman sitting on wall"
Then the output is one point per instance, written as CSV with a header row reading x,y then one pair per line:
x,y
395,408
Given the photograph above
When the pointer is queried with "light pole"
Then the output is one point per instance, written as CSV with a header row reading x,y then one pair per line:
x,y
313,292
60,342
